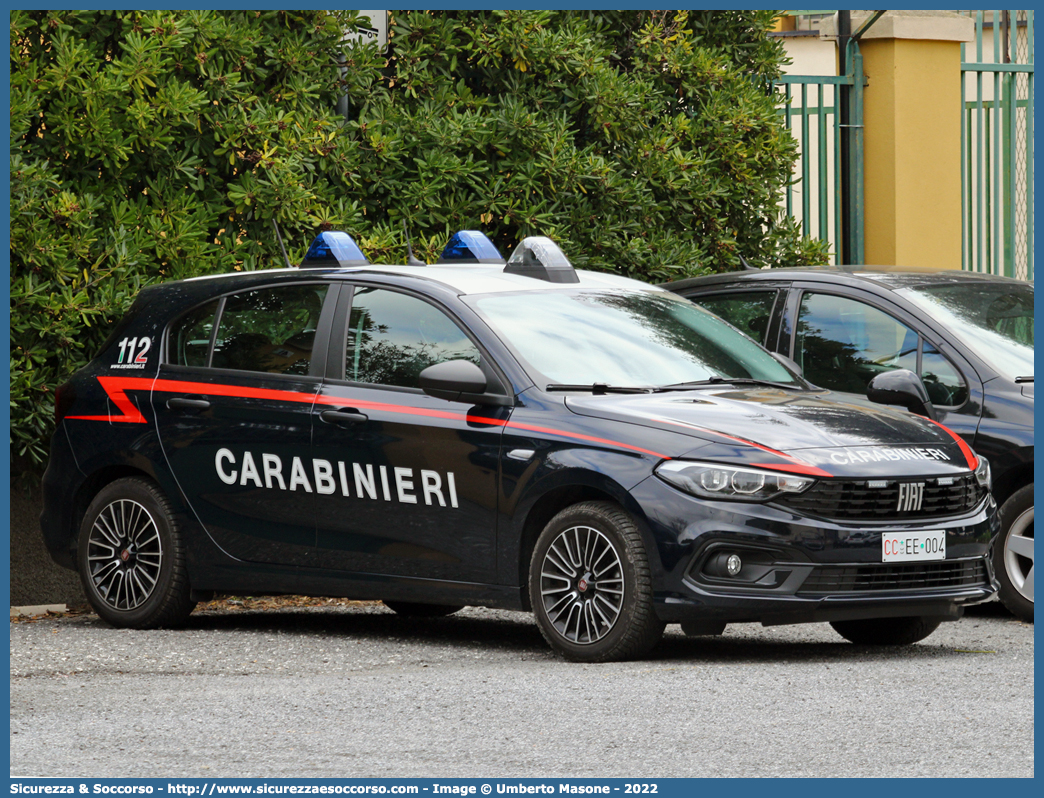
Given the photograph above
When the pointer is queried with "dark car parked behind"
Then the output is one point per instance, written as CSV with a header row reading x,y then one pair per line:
x,y
969,337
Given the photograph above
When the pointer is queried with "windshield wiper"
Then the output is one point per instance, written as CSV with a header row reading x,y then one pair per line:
x,y
1024,379
598,388
684,386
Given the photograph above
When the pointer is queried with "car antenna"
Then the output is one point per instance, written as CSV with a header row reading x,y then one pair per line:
x,y
279,238
746,266
411,259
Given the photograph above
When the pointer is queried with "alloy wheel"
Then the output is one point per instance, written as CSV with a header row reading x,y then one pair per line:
x,y
124,554
582,584
1018,554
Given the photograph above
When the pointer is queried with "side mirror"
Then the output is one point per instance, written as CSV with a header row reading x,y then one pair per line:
x,y
901,387
459,381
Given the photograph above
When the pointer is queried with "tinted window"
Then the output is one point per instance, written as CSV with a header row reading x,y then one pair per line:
x,y
189,338
393,337
941,379
749,311
271,329
842,344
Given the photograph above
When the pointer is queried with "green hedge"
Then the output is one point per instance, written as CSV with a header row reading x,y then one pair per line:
x,y
157,145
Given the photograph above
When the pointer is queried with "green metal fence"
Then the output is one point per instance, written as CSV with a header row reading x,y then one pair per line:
x,y
829,133
997,144
811,115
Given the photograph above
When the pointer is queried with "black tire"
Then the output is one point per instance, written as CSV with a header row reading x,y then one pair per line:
x,y
411,609
1013,558
590,585
131,559
886,631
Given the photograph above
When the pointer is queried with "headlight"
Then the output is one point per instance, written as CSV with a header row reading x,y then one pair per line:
x,y
713,481
982,473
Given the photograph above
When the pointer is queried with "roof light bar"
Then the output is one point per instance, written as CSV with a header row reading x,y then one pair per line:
x,y
332,249
470,246
540,257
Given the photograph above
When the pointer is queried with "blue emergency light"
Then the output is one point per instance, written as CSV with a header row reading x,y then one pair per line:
x,y
470,246
333,248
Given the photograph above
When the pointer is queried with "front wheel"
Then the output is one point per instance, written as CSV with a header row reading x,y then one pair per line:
x,y
130,557
886,631
1013,553
590,585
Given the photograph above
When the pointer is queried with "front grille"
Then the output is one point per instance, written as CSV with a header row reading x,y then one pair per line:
x,y
855,500
907,576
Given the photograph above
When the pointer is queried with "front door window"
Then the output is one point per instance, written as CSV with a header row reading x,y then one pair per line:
x,y
393,337
842,344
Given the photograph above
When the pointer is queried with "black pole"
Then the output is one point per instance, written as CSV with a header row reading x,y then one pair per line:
x,y
844,34
279,238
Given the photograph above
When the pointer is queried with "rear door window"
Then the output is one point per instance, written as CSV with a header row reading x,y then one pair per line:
x,y
748,311
189,340
270,329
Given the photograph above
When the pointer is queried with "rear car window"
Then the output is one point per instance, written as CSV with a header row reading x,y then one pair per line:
x,y
749,311
270,330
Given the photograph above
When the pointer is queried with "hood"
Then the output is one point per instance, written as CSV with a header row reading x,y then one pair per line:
x,y
815,433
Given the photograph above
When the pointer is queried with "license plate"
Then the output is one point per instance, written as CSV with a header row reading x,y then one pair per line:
x,y
907,546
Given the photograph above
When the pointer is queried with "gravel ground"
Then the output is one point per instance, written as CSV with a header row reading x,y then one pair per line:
x,y
350,690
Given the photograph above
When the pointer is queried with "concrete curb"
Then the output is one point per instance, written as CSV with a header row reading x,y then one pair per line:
x,y
38,609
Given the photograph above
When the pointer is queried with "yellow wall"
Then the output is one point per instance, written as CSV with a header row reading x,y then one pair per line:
x,y
912,152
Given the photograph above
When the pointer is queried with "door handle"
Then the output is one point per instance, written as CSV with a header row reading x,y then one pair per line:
x,y
348,415
182,403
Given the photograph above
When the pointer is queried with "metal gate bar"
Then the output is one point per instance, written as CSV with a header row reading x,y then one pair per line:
x,y
997,125
818,177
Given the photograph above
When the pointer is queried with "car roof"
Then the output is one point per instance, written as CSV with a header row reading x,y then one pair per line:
x,y
887,277
464,280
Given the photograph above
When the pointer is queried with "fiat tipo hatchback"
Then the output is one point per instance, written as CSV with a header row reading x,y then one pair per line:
x,y
513,434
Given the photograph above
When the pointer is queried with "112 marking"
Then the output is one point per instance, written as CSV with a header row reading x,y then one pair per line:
x,y
127,347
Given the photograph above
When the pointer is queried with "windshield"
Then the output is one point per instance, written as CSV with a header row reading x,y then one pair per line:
x,y
623,338
994,320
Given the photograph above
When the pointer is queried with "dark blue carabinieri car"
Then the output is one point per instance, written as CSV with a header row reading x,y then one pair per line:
x,y
512,434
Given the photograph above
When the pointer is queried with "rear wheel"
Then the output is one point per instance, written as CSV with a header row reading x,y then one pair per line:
x,y
1013,553
412,609
886,631
590,585
130,557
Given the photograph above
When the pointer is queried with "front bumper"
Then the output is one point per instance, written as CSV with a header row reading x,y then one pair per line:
x,y
802,569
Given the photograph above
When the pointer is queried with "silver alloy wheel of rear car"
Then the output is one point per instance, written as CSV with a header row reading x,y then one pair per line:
x,y
582,584
124,554
1018,554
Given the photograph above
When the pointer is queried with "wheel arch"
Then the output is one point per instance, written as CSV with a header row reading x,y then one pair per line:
x,y
64,513
552,501
1012,480
92,486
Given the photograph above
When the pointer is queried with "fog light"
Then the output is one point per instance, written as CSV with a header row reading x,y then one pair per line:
x,y
733,564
